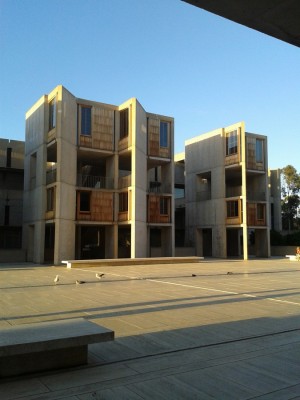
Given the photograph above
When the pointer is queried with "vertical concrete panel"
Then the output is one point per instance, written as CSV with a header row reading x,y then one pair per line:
x,y
65,208
139,182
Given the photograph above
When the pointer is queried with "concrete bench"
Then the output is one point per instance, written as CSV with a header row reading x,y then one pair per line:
x,y
131,261
48,345
292,258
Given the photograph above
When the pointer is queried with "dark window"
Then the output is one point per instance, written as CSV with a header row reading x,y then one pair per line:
x,y
231,143
155,238
164,205
85,198
50,199
86,120
8,157
259,151
163,134
123,202
232,209
179,191
52,114
260,212
124,123
6,215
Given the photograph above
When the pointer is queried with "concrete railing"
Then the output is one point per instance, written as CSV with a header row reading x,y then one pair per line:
x,y
97,182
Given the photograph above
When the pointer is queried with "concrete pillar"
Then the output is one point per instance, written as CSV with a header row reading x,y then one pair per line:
x,y
244,191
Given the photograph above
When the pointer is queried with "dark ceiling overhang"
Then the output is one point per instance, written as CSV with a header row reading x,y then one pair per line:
x,y
277,18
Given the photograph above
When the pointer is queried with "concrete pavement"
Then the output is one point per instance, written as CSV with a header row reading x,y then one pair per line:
x,y
219,329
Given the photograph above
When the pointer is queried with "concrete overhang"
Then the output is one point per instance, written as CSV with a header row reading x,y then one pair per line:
x,y
277,18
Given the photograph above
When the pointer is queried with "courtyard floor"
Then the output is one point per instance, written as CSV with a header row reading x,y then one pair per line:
x,y
217,329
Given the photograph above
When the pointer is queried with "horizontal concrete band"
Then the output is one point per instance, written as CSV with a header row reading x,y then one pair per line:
x,y
131,261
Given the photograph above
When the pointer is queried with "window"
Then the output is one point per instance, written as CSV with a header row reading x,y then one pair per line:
x,y
86,121
231,143
179,191
260,212
155,237
124,123
123,202
85,201
50,199
164,206
33,168
232,209
52,114
8,157
259,150
164,134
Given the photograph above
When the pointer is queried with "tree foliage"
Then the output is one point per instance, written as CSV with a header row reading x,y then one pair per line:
x,y
290,202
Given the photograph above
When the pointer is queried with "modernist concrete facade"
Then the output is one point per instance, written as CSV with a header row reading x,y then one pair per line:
x,y
99,180
11,199
226,206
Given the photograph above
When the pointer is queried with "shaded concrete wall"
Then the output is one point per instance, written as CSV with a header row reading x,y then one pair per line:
x,y
65,207
205,155
34,181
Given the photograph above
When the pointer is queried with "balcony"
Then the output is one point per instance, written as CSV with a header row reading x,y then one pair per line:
x,y
51,135
124,182
96,182
158,187
50,176
233,191
254,195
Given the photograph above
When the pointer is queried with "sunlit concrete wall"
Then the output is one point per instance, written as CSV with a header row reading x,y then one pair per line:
x,y
64,138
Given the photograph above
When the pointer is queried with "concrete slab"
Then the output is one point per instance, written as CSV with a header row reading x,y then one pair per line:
x,y
178,336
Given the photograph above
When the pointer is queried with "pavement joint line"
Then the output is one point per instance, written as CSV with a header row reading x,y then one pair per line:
x,y
199,346
192,286
282,301
197,287
223,291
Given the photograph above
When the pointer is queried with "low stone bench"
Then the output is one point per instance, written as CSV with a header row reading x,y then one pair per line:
x,y
292,258
48,345
131,261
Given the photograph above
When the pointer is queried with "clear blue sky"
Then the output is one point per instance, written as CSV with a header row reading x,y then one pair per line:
x,y
178,60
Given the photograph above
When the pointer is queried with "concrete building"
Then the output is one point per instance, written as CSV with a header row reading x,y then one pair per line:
x,y
98,180
226,205
11,200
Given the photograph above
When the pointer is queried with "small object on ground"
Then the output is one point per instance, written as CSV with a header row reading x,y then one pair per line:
x,y
79,282
229,273
194,275
99,276
56,279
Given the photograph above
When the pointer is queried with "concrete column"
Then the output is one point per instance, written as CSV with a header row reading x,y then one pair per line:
x,y
244,191
139,182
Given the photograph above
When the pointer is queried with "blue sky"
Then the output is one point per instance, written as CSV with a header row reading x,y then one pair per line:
x,y
178,60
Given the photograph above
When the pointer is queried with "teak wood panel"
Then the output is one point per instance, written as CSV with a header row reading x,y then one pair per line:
x,y
102,135
101,207
251,155
252,215
102,128
154,148
154,215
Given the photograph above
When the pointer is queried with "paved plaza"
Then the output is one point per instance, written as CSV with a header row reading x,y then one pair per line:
x,y
217,329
